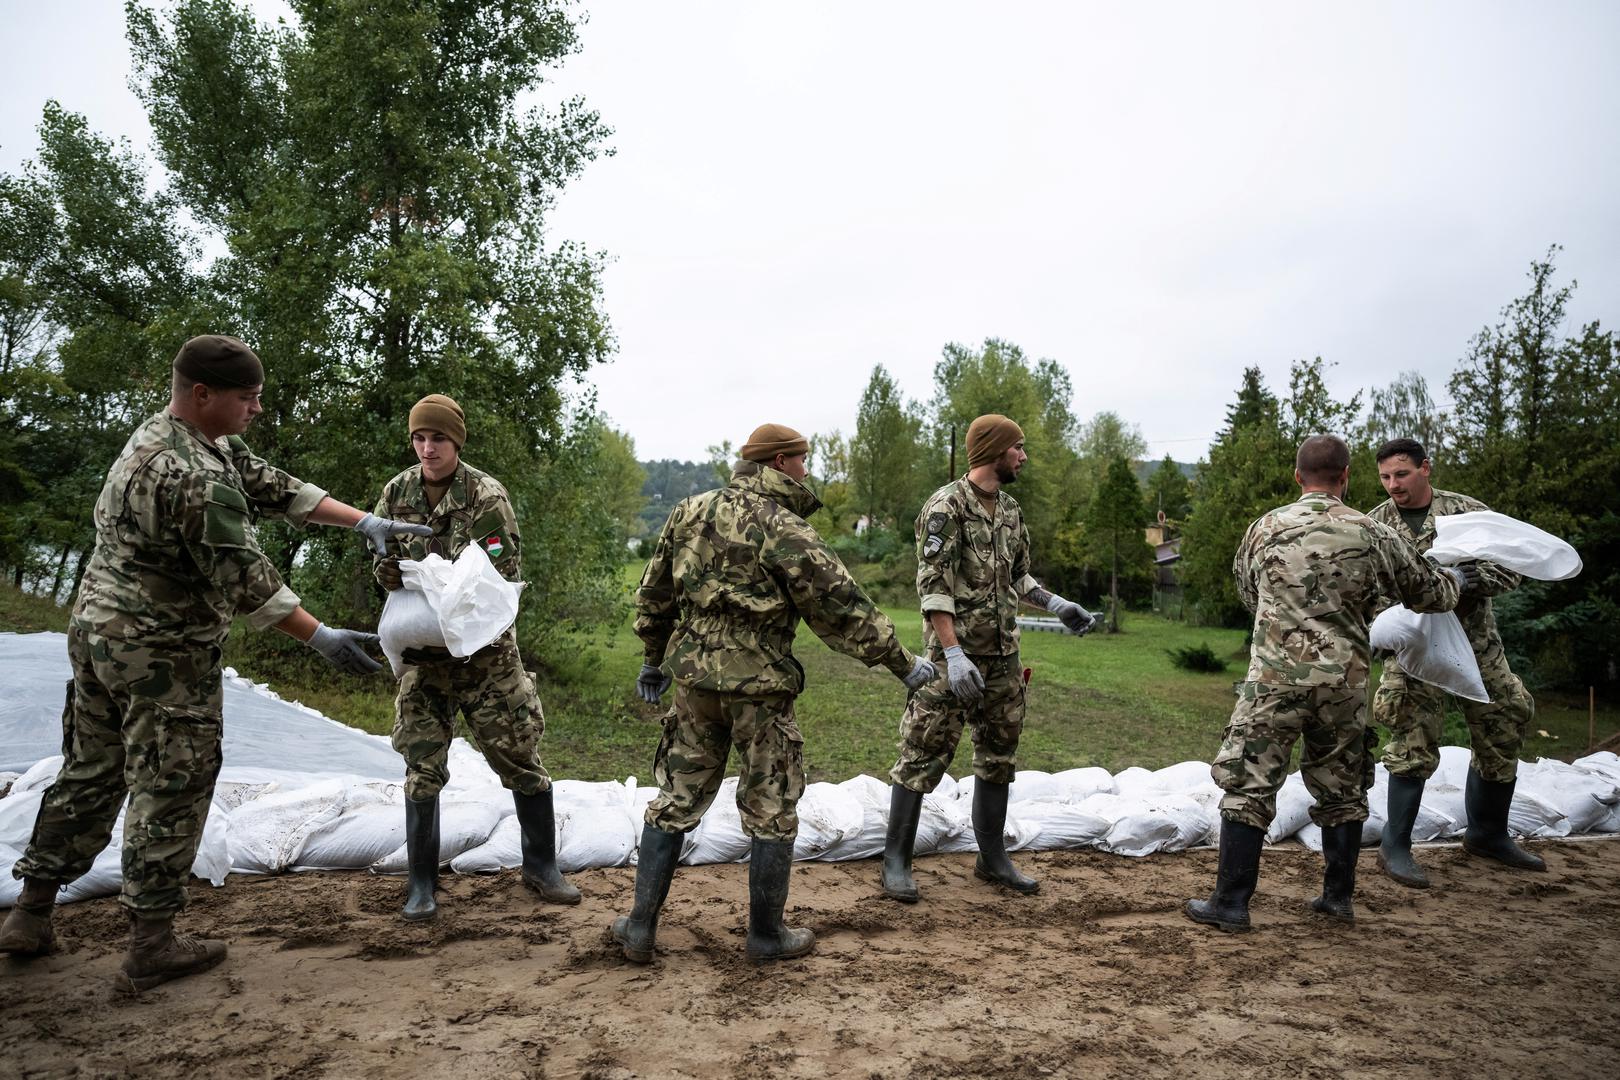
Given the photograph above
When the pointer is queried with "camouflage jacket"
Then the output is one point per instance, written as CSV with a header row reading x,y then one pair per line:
x,y
734,572
475,508
1313,572
1474,609
973,566
175,559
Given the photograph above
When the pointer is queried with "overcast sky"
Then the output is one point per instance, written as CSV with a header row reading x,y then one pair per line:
x,y
1154,195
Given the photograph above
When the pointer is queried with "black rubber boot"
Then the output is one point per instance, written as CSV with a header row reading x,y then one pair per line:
x,y
989,816
655,868
158,954
769,938
905,810
421,858
1395,850
1228,906
538,822
1487,833
1340,846
27,930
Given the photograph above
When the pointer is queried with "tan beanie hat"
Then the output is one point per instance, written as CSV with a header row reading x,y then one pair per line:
x,y
439,413
990,436
768,440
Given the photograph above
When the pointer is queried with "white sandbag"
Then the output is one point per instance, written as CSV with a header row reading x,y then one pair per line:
x,y
460,606
1018,833
470,774
639,798
581,794
10,887
1604,763
1453,767
1077,784
1582,796
407,622
1431,648
1031,785
105,876
1434,819
1148,822
828,814
1060,825
463,824
595,835
1446,801
1294,804
1181,778
719,837
267,835
213,861
1506,541
362,835
1133,780
39,776
1533,817
946,788
872,796
17,814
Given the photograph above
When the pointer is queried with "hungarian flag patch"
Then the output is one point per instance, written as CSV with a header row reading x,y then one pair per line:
x,y
493,546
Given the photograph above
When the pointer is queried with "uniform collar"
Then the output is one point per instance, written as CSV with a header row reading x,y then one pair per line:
x,y
775,484
455,498
192,430
1318,495
971,493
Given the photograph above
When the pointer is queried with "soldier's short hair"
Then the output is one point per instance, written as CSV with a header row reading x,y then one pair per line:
x,y
1402,447
1322,457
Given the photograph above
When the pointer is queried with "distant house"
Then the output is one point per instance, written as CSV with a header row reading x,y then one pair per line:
x,y
1166,541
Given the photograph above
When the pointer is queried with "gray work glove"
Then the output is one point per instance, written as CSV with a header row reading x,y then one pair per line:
x,y
344,649
1072,615
966,682
652,683
921,674
377,530
1466,575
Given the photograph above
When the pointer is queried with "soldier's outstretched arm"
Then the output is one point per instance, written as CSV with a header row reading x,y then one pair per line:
x,y
343,649
279,494
656,606
832,603
1421,585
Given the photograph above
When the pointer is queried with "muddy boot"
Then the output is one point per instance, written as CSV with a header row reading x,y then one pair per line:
x,y
421,858
1395,850
1340,846
989,816
158,954
27,929
769,938
539,826
655,868
1487,832
1228,906
905,810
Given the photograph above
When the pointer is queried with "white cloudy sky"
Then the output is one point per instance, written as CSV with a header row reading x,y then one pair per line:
x,y
1154,195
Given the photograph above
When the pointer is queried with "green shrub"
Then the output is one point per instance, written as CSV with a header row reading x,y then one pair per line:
x,y
1198,657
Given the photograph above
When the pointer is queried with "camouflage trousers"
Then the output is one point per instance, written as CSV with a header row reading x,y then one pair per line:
x,y
932,725
699,732
1336,761
1415,711
139,722
498,698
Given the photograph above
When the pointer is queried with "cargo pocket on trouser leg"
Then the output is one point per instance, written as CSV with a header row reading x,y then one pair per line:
x,y
171,784
771,781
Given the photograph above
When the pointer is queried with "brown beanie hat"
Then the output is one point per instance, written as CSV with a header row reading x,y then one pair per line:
x,y
439,413
768,440
219,361
990,436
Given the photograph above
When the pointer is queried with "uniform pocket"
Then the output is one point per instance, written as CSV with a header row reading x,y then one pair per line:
x,y
225,517
188,751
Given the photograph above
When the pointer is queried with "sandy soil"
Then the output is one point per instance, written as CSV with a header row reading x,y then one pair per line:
x,y
1490,973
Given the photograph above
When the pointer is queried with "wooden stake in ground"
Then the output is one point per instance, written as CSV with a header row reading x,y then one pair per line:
x,y
1591,718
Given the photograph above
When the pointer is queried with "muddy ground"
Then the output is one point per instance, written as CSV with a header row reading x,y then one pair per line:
x,y
1490,973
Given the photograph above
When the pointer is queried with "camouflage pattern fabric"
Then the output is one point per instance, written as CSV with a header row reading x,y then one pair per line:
x,y
699,732
489,688
1314,572
141,722
498,699
175,559
733,573
932,725
1335,762
1414,711
973,566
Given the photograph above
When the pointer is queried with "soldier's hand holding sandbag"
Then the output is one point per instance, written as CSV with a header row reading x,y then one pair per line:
x,y
967,684
1072,615
922,673
651,684
377,530
389,576
344,649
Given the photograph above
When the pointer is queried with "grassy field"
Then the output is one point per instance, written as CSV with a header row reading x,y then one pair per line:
x,y
1102,700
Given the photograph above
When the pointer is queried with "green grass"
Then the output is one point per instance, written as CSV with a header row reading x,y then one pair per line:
x,y
1109,700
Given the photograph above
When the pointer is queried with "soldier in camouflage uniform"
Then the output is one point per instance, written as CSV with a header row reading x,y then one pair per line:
x,y
1414,711
972,572
175,560
1312,572
733,573
461,505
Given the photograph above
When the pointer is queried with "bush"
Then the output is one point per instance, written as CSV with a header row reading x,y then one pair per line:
x,y
1197,658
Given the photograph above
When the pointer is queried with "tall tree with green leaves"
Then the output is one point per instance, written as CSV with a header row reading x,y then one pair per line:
x,y
1103,438
886,454
1114,532
1168,491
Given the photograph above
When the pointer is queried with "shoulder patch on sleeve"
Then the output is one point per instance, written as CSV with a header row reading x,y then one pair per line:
x,y
936,523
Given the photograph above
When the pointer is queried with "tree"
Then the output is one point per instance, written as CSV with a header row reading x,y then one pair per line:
x,y
1103,438
1114,531
1405,410
1167,491
619,481
885,454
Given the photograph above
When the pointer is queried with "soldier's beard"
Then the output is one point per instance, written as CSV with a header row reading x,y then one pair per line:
x,y
1006,474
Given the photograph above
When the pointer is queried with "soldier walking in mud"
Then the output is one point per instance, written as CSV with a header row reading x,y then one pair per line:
x,y
733,573
174,561
1312,572
1413,710
460,505
972,571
